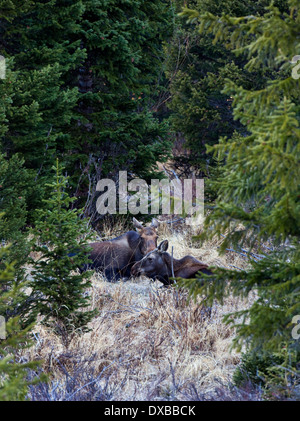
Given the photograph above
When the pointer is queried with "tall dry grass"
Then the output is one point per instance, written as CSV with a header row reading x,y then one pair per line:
x,y
147,342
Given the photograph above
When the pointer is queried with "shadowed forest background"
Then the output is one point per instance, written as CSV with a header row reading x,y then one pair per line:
x,y
160,89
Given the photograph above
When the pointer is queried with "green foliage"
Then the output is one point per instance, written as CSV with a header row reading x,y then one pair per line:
x,y
16,191
13,339
14,185
275,373
261,168
199,110
119,89
59,293
11,8
258,193
39,56
83,80
197,69
255,368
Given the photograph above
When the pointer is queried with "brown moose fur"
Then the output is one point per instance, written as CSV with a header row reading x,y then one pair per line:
x,y
116,257
157,264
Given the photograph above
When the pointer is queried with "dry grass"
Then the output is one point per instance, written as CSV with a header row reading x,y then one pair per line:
x,y
147,343
208,252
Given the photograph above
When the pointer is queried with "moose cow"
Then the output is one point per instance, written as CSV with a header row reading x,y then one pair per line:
x,y
116,257
157,264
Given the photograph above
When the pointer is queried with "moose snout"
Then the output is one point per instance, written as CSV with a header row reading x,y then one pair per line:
x,y
151,246
136,270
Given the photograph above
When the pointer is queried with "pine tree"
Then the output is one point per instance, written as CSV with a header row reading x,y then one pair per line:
x,y
82,83
59,293
197,68
119,87
259,192
16,191
14,339
39,106
11,8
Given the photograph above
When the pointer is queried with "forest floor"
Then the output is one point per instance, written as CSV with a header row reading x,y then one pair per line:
x,y
147,343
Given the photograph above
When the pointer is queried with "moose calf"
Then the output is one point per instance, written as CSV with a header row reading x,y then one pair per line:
x,y
157,264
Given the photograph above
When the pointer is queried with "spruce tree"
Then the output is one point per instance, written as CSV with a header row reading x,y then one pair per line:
x,y
258,195
16,192
119,86
83,79
14,374
197,68
58,291
40,106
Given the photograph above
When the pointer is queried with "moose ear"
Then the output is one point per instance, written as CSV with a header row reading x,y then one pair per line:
x,y
163,246
137,224
154,223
